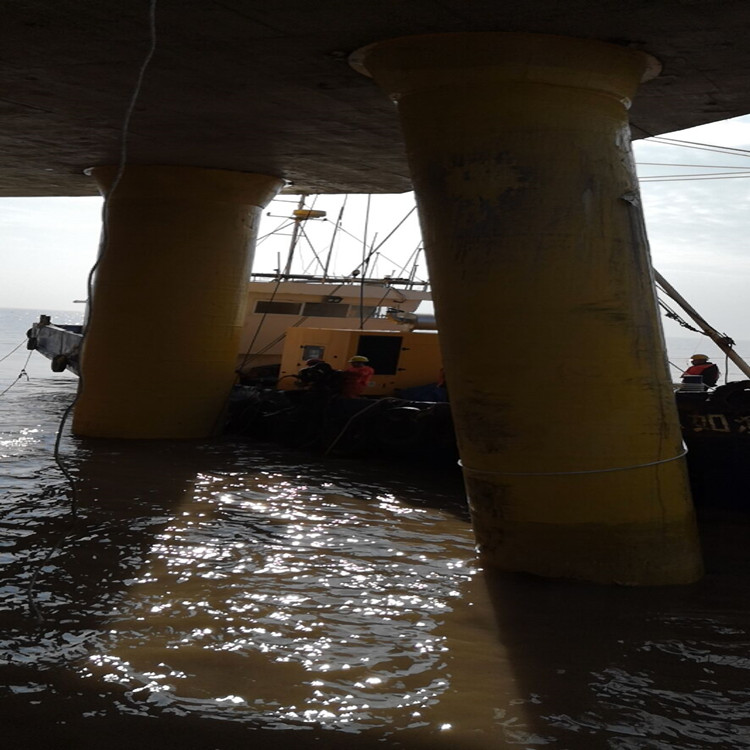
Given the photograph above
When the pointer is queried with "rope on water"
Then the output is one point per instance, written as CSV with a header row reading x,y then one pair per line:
x,y
355,416
21,374
15,349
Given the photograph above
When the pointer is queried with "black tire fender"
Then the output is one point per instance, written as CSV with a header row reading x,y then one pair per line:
x,y
59,362
731,397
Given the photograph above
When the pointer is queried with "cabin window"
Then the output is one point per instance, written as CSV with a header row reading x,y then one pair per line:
x,y
277,308
310,351
382,351
325,310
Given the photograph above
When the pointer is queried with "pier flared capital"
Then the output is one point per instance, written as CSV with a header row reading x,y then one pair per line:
x,y
193,183
407,65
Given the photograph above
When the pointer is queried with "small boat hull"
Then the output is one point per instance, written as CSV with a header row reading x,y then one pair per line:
x,y
61,344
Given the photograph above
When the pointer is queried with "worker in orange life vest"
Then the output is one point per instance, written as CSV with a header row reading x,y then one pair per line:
x,y
356,376
699,365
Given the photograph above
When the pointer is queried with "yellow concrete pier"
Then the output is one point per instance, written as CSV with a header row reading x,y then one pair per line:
x,y
168,300
519,149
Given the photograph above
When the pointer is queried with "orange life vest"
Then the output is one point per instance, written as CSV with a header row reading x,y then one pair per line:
x,y
356,380
701,370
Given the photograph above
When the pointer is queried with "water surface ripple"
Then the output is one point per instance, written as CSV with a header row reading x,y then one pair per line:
x,y
211,590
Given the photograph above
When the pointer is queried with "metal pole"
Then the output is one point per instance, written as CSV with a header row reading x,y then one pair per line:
x,y
723,342
293,241
333,239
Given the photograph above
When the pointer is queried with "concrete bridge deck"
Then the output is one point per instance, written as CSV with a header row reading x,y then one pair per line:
x,y
265,86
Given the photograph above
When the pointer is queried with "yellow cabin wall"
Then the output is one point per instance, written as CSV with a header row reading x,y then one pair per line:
x,y
419,360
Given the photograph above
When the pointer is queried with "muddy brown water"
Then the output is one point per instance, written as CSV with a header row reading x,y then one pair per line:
x,y
219,595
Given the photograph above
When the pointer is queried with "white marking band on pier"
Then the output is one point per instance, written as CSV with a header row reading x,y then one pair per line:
x,y
570,473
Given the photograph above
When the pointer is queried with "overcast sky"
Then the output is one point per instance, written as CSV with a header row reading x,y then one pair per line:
x,y
698,229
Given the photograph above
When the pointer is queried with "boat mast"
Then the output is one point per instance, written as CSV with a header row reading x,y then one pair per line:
x,y
365,259
333,238
722,341
295,233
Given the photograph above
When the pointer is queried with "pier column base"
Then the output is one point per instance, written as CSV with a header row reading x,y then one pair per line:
x,y
168,300
519,148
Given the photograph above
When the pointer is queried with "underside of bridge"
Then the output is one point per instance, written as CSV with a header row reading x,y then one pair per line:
x,y
265,87
512,122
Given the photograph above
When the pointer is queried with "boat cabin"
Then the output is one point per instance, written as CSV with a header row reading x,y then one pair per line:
x,y
400,359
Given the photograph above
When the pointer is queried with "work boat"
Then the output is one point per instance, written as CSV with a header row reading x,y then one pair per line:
x,y
412,420
295,316
275,304
282,300
286,299
279,302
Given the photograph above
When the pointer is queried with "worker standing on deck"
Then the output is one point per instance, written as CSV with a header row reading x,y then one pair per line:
x,y
314,371
357,376
700,365
319,378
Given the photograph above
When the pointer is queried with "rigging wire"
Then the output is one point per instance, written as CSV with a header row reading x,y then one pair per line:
x,y
672,315
329,255
285,223
697,145
363,267
393,231
316,257
410,261
679,369
15,349
376,248
673,164
22,373
695,178
248,353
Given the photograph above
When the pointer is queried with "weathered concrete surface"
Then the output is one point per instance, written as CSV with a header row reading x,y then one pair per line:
x,y
265,86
